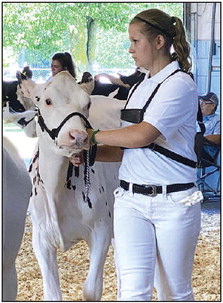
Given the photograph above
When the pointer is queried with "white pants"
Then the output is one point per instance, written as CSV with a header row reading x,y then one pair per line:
x,y
155,241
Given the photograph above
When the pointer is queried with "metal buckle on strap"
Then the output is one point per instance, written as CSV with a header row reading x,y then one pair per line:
x,y
153,187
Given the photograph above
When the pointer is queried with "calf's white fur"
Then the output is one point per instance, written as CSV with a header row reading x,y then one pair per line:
x,y
60,215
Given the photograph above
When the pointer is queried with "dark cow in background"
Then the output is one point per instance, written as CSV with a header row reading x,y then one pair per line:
x,y
16,107
9,90
119,87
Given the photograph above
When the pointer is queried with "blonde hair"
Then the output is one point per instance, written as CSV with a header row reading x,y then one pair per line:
x,y
157,22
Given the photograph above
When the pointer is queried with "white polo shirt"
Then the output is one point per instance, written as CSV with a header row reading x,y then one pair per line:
x,y
173,111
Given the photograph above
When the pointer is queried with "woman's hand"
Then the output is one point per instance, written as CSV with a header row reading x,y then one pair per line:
x,y
77,159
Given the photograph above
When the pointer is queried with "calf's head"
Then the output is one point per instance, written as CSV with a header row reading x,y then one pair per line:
x,y
63,109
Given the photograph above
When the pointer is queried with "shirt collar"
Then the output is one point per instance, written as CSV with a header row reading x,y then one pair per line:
x,y
208,116
165,72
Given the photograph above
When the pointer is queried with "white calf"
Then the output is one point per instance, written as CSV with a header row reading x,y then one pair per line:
x,y
61,212
16,193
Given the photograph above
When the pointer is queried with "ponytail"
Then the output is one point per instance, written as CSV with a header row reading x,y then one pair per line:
x,y
181,46
69,64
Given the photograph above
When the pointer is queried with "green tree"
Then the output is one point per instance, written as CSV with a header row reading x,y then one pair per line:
x,y
91,32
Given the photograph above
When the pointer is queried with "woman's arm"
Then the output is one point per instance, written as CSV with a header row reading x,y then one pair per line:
x,y
104,154
113,79
133,136
214,138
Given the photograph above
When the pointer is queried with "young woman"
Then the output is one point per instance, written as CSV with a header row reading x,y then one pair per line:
x,y
157,210
62,61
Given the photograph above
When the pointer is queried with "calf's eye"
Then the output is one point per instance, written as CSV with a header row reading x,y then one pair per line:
x,y
89,105
49,101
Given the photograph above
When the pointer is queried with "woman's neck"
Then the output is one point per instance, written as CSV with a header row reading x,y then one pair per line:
x,y
159,64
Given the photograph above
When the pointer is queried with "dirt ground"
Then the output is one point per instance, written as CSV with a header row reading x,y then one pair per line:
x,y
73,266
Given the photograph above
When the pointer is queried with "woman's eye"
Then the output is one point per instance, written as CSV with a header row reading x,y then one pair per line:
x,y
48,101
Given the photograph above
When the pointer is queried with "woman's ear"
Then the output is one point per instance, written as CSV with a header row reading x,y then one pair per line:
x,y
160,41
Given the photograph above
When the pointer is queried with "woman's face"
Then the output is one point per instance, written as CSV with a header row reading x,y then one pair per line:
x,y
141,49
56,67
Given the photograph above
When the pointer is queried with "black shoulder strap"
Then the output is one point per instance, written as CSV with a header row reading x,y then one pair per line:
x,y
134,88
164,151
158,86
160,149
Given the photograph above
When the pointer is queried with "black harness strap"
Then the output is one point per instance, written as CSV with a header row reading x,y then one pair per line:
x,y
156,89
134,88
154,146
171,155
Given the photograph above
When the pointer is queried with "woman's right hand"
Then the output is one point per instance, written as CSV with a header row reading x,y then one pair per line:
x,y
77,159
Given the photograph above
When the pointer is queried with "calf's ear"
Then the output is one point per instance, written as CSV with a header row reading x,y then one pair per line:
x,y
27,88
88,87
25,75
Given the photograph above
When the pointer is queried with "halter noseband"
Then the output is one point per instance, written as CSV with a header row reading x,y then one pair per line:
x,y
55,131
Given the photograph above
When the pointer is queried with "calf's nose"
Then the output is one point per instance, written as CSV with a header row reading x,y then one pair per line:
x,y
78,138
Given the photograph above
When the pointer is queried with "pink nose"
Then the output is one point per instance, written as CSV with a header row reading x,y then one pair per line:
x,y
77,138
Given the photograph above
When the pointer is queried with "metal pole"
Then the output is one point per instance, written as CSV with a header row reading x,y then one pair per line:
x,y
211,50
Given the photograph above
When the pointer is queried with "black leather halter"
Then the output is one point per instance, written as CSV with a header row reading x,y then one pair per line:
x,y
89,156
55,131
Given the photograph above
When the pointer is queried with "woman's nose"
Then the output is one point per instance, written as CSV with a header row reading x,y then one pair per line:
x,y
131,49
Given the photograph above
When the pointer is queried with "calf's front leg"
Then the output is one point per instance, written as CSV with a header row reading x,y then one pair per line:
x,y
46,255
99,244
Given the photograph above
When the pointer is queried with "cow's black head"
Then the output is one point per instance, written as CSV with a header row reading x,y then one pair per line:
x,y
25,74
9,90
9,94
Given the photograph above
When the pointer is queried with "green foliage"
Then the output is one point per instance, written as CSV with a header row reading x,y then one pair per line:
x,y
112,45
37,30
